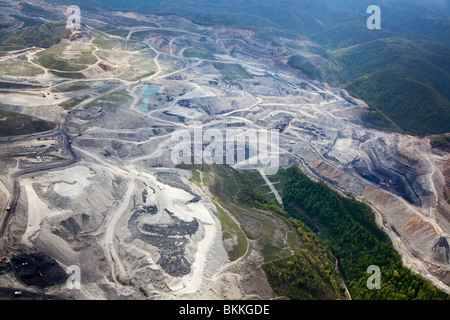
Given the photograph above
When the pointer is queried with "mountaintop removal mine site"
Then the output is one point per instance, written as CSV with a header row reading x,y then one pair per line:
x,y
98,188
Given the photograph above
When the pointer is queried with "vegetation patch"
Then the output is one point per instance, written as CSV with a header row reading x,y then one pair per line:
x,y
446,197
32,10
42,35
19,68
145,75
309,274
102,41
73,86
377,120
51,59
303,64
13,124
198,53
115,99
117,32
69,104
130,22
251,196
68,75
297,264
17,85
138,46
441,142
139,35
196,178
232,232
232,71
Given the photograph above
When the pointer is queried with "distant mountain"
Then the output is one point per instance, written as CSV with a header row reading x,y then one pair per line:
x,y
12,123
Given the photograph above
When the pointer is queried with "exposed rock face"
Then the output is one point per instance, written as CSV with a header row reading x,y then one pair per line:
x,y
170,237
441,250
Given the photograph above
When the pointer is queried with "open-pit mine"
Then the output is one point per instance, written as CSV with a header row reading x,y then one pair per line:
x,y
100,190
